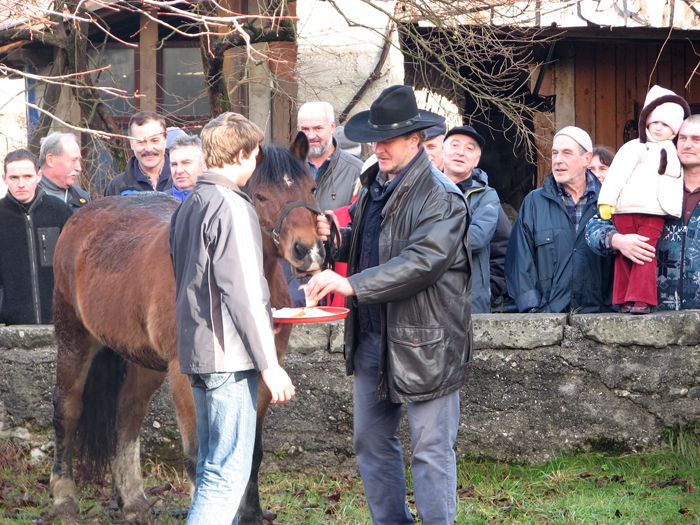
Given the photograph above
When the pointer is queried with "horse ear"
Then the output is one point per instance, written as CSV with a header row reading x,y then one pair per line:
x,y
260,156
300,146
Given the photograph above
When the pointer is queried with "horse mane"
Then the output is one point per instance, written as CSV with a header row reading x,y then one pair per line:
x,y
275,164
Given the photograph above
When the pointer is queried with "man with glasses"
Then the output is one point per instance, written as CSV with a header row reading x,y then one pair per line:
x,y
149,168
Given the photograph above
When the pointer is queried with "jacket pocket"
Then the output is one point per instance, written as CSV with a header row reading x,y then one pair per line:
x,y
417,360
46,238
546,261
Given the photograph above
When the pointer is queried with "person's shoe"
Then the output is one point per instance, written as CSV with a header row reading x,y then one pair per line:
x,y
640,308
626,307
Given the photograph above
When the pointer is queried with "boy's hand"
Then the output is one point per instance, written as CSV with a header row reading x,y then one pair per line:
x,y
279,384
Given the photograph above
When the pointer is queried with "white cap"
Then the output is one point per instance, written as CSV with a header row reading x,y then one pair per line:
x,y
582,138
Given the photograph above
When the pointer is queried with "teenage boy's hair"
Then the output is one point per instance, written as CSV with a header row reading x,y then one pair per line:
x,y
225,136
20,154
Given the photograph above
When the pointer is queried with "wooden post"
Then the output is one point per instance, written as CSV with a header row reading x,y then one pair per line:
x,y
148,65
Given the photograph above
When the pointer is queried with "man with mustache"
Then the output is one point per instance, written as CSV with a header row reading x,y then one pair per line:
x,y
149,168
334,170
60,161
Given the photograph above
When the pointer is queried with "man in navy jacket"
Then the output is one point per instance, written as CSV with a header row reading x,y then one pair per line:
x,y
549,265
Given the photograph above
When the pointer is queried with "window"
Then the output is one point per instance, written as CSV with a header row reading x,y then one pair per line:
x,y
183,86
119,76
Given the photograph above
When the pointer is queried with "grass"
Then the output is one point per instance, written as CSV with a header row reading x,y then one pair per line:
x,y
590,488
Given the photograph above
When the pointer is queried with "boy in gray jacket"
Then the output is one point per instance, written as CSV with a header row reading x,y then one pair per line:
x,y
224,326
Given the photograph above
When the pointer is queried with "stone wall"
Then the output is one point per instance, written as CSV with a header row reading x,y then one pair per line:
x,y
540,385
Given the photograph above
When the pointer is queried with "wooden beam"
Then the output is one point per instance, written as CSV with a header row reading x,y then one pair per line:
x,y
148,60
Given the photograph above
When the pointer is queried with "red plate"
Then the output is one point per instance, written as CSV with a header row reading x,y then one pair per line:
x,y
337,312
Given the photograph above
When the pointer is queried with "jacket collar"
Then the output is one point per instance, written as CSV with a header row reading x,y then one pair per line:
x,y
134,170
38,198
550,186
211,178
51,185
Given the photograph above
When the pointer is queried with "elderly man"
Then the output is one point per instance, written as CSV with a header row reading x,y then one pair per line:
x,y
434,137
60,164
549,266
461,153
335,170
149,168
408,334
186,165
31,223
678,248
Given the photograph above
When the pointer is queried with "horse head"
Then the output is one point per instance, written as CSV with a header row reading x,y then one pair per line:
x,y
283,193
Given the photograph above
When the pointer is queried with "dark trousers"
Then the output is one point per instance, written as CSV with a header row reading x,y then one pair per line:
x,y
636,282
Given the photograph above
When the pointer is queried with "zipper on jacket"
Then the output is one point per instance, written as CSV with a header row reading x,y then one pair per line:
x,y
33,269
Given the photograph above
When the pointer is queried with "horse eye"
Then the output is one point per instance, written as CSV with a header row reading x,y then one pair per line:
x,y
260,198
313,191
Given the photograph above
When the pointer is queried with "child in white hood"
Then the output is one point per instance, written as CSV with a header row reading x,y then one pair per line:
x,y
642,187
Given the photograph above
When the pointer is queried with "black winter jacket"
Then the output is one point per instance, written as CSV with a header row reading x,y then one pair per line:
x,y
549,265
422,282
27,240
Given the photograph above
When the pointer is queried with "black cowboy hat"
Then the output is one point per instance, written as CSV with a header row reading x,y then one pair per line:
x,y
392,114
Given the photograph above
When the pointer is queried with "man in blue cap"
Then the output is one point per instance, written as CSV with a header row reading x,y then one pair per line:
x,y
408,334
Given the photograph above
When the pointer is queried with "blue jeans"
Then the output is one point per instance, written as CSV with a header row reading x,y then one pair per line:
x,y
433,427
225,410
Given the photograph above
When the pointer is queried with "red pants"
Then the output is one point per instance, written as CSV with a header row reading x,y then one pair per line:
x,y
636,282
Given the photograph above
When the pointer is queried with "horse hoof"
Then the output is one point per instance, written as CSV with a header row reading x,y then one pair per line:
x,y
269,516
66,508
137,507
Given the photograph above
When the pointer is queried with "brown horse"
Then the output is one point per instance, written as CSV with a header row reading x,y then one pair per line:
x,y
114,317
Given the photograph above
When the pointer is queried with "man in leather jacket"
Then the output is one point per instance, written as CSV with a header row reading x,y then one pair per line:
x,y
408,334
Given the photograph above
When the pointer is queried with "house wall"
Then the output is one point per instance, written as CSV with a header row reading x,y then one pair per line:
x,y
335,59
601,85
13,118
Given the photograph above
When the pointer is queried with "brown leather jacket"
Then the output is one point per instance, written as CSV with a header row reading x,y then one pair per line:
x,y
423,283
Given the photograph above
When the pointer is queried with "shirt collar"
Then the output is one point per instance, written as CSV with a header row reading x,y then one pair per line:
x,y
591,186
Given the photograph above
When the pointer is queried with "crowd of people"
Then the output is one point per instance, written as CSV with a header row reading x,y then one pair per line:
x,y
424,243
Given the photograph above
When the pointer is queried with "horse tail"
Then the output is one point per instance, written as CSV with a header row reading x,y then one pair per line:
x,y
97,427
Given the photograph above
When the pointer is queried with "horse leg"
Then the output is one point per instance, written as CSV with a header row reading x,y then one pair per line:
x,y
139,386
181,391
76,349
250,511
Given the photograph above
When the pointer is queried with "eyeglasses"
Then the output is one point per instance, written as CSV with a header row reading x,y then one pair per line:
x,y
153,140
